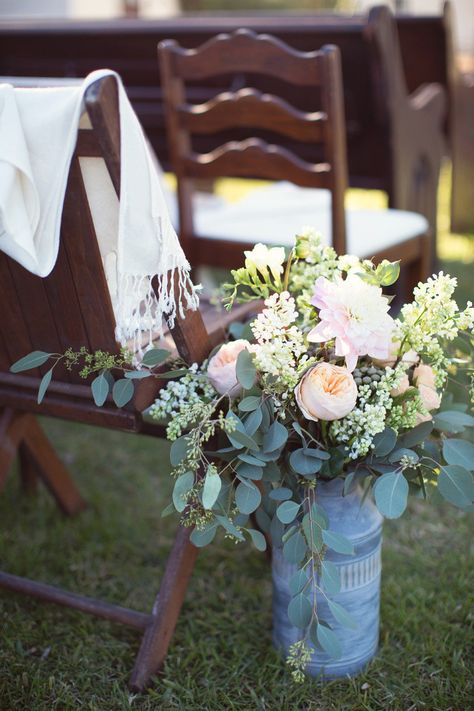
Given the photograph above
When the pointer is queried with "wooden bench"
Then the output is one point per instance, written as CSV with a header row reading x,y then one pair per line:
x,y
370,71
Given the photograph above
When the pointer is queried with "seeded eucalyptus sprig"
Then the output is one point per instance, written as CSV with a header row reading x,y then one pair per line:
x,y
106,365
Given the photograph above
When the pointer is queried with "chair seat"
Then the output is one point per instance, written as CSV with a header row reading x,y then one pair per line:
x,y
274,214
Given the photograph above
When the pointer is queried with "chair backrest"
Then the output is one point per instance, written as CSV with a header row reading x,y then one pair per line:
x,y
71,307
247,111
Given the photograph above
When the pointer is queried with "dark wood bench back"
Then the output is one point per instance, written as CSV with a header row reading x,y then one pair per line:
x,y
71,307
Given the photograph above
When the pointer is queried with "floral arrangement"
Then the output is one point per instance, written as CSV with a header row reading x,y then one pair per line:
x,y
323,383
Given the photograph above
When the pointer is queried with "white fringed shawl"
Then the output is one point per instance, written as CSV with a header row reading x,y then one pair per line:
x,y
38,132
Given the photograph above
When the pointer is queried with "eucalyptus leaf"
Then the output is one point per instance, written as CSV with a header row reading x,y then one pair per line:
x,y
330,577
247,497
294,549
258,539
397,455
100,389
300,611
263,520
249,471
245,369
277,530
155,356
391,494
253,421
456,485
281,494
384,442
275,438
287,511
211,488
227,524
342,616
417,435
122,392
203,536
43,386
138,374
179,450
312,533
250,403
182,487
250,459
329,641
298,581
32,360
453,421
337,542
459,451
303,464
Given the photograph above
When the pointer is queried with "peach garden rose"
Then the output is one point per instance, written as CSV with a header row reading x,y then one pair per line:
x,y
326,392
221,370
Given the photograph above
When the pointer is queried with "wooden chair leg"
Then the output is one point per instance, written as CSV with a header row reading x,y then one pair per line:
x,y
166,610
28,471
12,428
51,470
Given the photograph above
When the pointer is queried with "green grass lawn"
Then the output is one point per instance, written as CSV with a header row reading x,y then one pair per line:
x,y
221,657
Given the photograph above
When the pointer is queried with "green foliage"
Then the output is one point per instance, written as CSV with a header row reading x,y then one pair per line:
x,y
391,494
245,369
32,360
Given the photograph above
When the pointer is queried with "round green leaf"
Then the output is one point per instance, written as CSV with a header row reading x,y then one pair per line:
x,y
330,577
179,450
182,487
275,438
202,537
298,581
287,511
460,452
100,389
250,403
247,497
294,549
249,471
342,616
456,485
245,369
211,488
391,494
122,392
384,442
338,543
280,494
258,539
253,421
328,641
300,611
155,356
304,464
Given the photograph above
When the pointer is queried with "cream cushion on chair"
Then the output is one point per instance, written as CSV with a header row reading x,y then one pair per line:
x,y
275,213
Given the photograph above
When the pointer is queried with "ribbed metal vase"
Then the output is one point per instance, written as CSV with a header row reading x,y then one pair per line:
x,y
360,584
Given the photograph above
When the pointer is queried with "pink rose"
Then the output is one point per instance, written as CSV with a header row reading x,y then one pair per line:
x,y
326,392
402,386
425,380
355,314
221,370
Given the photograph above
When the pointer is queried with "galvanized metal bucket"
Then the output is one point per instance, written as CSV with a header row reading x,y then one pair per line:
x,y
360,584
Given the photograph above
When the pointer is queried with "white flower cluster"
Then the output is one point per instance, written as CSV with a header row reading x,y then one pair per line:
x,y
358,429
433,315
280,348
182,401
315,259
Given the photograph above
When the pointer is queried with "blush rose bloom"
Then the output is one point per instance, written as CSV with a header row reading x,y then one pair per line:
x,y
402,386
221,370
355,314
326,392
425,380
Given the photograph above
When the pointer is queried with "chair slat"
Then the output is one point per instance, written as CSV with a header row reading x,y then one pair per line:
x,y
244,51
16,340
255,157
250,108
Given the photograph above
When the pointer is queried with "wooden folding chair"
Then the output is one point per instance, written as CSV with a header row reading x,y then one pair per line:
x,y
72,308
273,214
